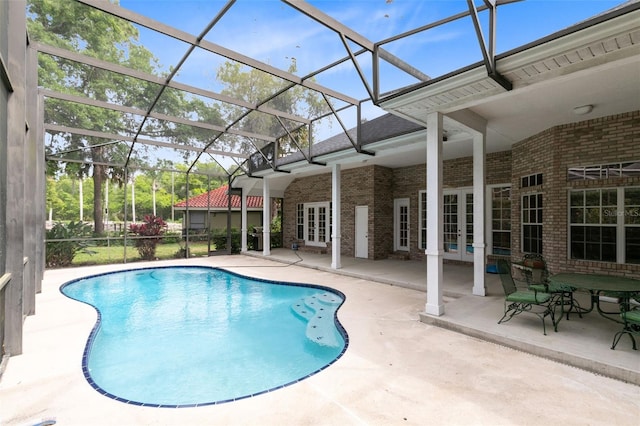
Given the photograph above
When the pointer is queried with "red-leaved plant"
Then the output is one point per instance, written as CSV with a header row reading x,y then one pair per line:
x,y
153,226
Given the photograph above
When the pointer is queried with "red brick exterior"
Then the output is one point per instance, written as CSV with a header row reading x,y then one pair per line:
x,y
551,152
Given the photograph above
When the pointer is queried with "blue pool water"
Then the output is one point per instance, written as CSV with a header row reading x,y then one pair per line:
x,y
188,336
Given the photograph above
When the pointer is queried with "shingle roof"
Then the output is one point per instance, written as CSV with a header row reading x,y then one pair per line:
x,y
384,127
219,199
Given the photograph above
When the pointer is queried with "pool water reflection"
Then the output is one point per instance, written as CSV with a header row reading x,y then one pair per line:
x,y
189,336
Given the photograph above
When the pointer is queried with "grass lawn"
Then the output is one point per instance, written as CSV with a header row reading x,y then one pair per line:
x,y
115,254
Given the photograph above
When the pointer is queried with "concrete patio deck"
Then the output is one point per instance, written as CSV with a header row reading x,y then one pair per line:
x,y
581,342
396,370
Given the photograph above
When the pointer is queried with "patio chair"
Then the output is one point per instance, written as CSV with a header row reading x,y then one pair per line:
x,y
539,272
517,301
538,280
630,326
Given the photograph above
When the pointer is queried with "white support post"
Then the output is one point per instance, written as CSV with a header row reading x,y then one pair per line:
x,y
477,126
81,198
335,206
479,246
434,253
266,217
243,214
16,170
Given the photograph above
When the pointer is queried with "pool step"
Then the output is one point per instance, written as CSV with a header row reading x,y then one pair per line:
x,y
301,309
319,311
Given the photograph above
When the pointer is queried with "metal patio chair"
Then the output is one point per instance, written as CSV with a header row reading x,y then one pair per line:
x,y
631,324
538,280
517,301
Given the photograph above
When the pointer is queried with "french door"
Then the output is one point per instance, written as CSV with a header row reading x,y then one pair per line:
x,y
458,224
316,224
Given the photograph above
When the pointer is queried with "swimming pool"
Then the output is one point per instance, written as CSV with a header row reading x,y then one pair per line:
x,y
189,336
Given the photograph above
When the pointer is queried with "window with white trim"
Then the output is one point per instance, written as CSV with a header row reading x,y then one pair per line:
x,y
501,220
532,223
300,221
604,224
604,171
401,224
632,225
422,219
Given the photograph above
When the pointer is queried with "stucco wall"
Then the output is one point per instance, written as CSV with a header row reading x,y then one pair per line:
x,y
219,220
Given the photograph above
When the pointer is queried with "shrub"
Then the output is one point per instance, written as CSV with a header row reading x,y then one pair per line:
x,y
152,227
182,253
61,253
219,239
171,238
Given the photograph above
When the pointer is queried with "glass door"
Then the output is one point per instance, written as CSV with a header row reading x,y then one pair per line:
x,y
316,224
401,224
451,228
458,224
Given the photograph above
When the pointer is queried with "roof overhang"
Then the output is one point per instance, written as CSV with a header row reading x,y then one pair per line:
x,y
604,40
595,62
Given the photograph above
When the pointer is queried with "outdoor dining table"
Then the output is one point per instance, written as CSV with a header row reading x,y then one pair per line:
x,y
622,288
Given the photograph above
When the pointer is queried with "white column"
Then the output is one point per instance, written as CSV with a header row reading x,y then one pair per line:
x,y
266,217
479,246
81,198
133,198
335,212
106,205
434,252
243,215
154,188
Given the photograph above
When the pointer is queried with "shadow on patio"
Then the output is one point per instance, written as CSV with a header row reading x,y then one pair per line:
x,y
581,342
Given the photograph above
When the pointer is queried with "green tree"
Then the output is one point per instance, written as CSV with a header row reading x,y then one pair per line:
x,y
255,86
79,28
198,182
54,200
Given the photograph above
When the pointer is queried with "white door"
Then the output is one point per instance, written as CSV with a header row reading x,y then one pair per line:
x,y
362,232
458,224
316,224
401,224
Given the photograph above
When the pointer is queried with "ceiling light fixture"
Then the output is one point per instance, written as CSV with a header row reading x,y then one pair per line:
x,y
582,110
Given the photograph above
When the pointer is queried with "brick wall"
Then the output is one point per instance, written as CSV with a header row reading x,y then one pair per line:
x,y
551,152
359,187
307,190
377,187
382,243
599,141
407,182
456,173
357,190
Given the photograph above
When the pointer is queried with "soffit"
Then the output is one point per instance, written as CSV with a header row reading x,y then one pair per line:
x,y
570,70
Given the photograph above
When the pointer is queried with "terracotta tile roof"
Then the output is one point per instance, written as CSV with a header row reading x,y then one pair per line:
x,y
218,199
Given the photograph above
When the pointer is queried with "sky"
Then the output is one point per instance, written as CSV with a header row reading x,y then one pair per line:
x,y
274,33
